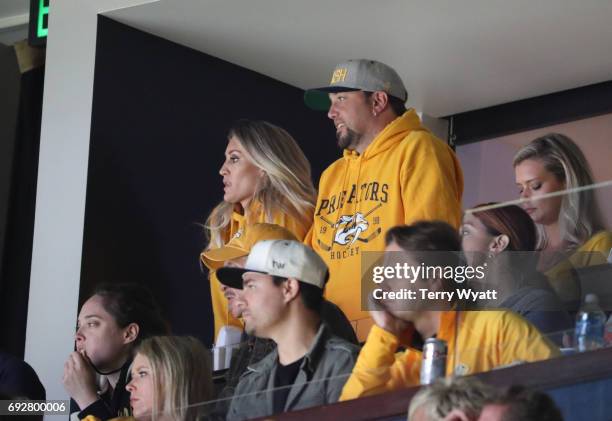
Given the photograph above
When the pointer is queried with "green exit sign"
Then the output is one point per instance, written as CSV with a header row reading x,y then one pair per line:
x,y
42,19
39,21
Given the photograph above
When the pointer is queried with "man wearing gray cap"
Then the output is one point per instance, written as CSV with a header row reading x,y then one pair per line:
x,y
282,286
393,171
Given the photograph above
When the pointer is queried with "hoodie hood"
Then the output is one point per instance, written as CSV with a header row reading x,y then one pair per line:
x,y
390,136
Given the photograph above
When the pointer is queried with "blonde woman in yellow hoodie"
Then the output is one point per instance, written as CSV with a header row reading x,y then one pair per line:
x,y
266,178
393,171
571,233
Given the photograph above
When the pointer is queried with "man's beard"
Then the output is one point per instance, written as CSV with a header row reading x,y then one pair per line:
x,y
349,140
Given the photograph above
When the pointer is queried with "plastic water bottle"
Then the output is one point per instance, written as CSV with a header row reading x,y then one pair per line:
x,y
590,322
608,332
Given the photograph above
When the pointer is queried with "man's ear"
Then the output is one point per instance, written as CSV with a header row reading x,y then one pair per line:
x,y
130,333
380,100
499,244
291,289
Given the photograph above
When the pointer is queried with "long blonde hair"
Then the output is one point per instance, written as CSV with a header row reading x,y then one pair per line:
x,y
286,185
579,216
182,376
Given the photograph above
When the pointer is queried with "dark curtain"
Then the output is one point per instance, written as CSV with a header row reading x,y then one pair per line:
x,y
19,169
160,117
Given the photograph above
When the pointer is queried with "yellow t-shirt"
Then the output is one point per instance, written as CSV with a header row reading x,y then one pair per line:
x,y
405,175
477,341
221,314
593,252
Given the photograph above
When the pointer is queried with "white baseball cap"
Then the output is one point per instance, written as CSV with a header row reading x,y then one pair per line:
x,y
283,258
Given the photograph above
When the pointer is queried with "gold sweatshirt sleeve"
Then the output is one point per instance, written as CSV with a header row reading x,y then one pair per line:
x,y
594,251
379,369
432,181
523,341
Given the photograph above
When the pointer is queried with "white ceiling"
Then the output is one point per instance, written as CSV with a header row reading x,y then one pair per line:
x,y
453,55
13,20
13,8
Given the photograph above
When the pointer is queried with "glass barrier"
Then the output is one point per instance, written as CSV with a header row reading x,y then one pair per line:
x,y
564,289
256,397
573,234
495,304
385,367
384,364
517,292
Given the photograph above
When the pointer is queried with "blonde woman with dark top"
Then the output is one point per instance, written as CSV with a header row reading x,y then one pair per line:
x,y
171,380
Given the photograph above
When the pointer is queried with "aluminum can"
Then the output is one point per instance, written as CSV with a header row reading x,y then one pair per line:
x,y
433,365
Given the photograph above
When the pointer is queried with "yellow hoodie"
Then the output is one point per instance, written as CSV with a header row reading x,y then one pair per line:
x,y
562,276
406,174
221,314
477,341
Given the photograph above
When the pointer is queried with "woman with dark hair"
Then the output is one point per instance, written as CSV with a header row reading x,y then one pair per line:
x,y
503,240
111,323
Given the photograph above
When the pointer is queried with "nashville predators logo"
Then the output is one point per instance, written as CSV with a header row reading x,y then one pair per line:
x,y
348,229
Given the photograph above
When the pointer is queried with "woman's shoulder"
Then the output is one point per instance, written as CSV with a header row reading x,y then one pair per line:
x,y
296,227
601,241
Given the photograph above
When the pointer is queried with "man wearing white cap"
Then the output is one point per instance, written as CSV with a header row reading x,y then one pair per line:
x,y
283,283
251,349
394,171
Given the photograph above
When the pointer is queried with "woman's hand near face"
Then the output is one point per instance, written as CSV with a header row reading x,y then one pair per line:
x,y
80,380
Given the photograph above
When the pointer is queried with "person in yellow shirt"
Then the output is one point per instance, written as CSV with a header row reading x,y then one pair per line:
x,y
571,233
477,340
266,178
393,171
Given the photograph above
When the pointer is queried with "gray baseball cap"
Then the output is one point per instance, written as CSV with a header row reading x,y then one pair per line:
x,y
357,75
284,258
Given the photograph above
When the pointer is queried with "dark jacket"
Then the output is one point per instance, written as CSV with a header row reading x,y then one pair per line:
x,y
543,308
18,379
322,374
109,405
252,350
